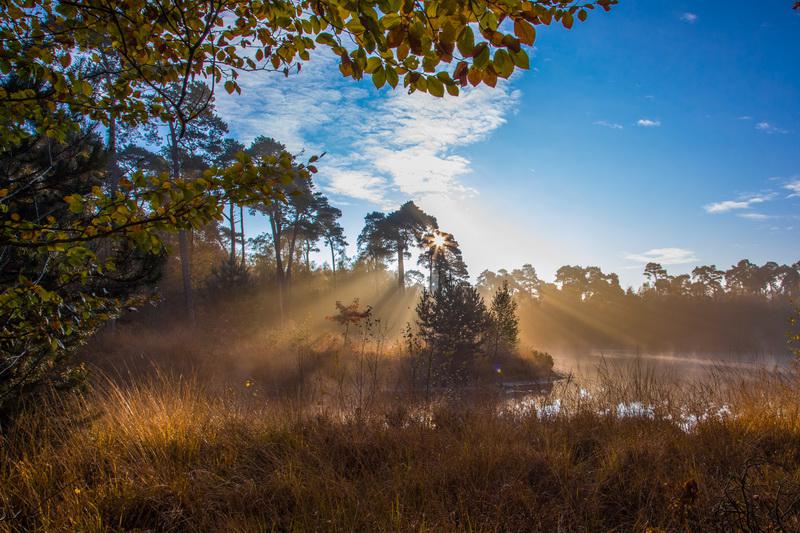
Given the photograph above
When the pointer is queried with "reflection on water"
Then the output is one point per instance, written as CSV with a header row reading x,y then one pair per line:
x,y
635,382
674,365
547,408
674,368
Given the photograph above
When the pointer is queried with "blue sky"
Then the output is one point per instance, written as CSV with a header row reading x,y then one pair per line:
x,y
661,130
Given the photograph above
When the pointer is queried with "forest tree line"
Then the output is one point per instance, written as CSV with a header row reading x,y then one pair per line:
x,y
744,308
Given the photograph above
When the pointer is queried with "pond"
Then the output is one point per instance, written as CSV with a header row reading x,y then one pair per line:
x,y
586,367
681,366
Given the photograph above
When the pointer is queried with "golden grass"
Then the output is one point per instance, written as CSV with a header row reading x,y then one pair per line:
x,y
174,455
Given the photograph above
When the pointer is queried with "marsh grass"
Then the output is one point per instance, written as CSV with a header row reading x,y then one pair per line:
x,y
630,452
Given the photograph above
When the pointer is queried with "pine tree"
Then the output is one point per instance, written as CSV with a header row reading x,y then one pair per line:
x,y
504,320
452,321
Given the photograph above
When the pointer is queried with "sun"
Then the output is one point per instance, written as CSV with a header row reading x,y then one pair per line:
x,y
438,240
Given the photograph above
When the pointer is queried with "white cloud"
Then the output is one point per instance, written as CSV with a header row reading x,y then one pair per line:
x,y
691,18
794,188
414,138
298,111
356,184
648,123
731,205
664,256
744,117
612,125
394,144
726,205
754,216
768,128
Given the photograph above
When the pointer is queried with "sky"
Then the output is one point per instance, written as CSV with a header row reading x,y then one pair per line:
x,y
662,131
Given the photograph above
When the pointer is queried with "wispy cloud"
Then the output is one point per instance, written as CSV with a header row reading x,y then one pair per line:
x,y
607,124
664,256
648,123
356,184
691,18
726,206
379,147
297,111
415,141
794,188
744,117
770,129
755,216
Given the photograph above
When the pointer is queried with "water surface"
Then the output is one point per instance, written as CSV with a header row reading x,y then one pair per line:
x,y
682,366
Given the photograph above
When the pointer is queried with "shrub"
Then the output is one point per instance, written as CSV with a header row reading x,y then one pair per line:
x,y
542,361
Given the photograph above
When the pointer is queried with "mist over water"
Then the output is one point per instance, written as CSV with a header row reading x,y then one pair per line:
x,y
675,365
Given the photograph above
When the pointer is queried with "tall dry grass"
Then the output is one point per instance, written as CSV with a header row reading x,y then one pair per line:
x,y
629,453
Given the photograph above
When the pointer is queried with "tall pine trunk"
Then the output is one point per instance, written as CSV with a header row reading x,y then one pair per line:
x,y
290,258
113,176
183,235
333,263
241,234
275,226
112,167
231,214
186,274
401,271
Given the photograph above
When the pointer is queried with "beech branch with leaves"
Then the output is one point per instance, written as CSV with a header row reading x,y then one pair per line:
x,y
71,68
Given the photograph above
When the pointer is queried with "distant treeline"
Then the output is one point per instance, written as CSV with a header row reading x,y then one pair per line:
x,y
744,309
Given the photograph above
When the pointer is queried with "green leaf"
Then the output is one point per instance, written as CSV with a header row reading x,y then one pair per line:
x,y
373,64
391,76
390,21
466,42
379,77
326,38
503,63
520,59
435,86
482,56
489,21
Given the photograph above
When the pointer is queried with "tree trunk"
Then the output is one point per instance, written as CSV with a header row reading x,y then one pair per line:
x,y
308,251
275,225
233,233
186,273
333,263
112,177
111,149
292,245
241,233
112,166
401,271
183,235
